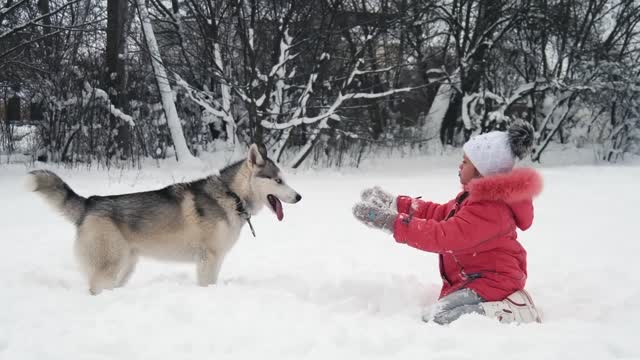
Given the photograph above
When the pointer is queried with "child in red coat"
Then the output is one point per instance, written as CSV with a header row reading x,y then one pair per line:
x,y
482,265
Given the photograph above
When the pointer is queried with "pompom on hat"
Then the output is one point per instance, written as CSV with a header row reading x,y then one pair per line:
x,y
496,152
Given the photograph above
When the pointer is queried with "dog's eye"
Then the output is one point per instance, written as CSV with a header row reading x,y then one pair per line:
x,y
279,181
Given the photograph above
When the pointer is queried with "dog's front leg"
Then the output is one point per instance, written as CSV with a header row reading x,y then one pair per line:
x,y
208,267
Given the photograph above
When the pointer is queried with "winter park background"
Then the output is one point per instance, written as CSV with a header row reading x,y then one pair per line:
x,y
129,95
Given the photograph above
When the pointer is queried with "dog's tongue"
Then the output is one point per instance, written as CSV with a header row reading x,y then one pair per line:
x,y
276,206
278,209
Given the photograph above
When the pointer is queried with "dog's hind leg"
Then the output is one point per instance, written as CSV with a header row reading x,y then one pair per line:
x,y
103,251
208,267
128,268
104,277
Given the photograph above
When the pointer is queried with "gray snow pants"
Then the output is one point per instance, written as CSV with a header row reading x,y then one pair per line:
x,y
454,305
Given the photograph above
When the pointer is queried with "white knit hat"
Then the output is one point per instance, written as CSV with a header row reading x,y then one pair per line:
x,y
495,152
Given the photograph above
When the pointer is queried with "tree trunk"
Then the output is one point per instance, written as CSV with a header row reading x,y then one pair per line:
x,y
471,62
76,37
225,93
537,153
115,81
308,146
175,128
435,119
44,8
450,120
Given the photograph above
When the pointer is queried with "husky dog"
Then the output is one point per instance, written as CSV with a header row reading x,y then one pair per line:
x,y
198,221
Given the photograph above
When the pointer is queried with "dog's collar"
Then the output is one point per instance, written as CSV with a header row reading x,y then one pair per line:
x,y
241,210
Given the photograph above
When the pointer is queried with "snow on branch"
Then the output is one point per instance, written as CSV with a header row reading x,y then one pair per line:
x,y
436,72
102,95
285,45
386,69
225,92
331,111
298,117
302,104
199,98
209,104
469,101
380,94
354,72
558,103
305,120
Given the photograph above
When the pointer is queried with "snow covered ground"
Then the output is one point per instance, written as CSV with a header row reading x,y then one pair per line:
x,y
319,285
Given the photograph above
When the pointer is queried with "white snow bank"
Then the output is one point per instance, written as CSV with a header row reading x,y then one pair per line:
x,y
321,286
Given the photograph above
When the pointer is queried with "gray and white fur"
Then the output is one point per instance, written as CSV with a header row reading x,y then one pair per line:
x,y
198,221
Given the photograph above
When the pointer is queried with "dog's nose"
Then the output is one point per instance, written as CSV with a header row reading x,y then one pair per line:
x,y
298,197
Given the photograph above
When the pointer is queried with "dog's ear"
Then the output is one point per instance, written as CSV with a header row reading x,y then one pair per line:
x,y
255,156
263,151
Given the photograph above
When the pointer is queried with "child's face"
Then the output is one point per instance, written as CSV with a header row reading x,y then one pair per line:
x,y
467,171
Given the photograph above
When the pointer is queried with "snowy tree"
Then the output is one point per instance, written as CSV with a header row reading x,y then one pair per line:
x,y
182,151
315,81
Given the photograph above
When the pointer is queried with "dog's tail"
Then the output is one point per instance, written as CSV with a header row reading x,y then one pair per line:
x,y
57,193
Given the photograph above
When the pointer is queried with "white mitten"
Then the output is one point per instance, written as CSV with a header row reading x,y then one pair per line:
x,y
379,197
375,217
517,307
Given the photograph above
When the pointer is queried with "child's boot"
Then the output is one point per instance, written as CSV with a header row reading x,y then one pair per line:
x,y
517,307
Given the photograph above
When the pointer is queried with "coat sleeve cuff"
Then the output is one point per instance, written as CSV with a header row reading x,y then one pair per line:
x,y
400,226
403,204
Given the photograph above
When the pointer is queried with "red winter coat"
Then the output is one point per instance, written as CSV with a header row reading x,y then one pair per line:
x,y
475,233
